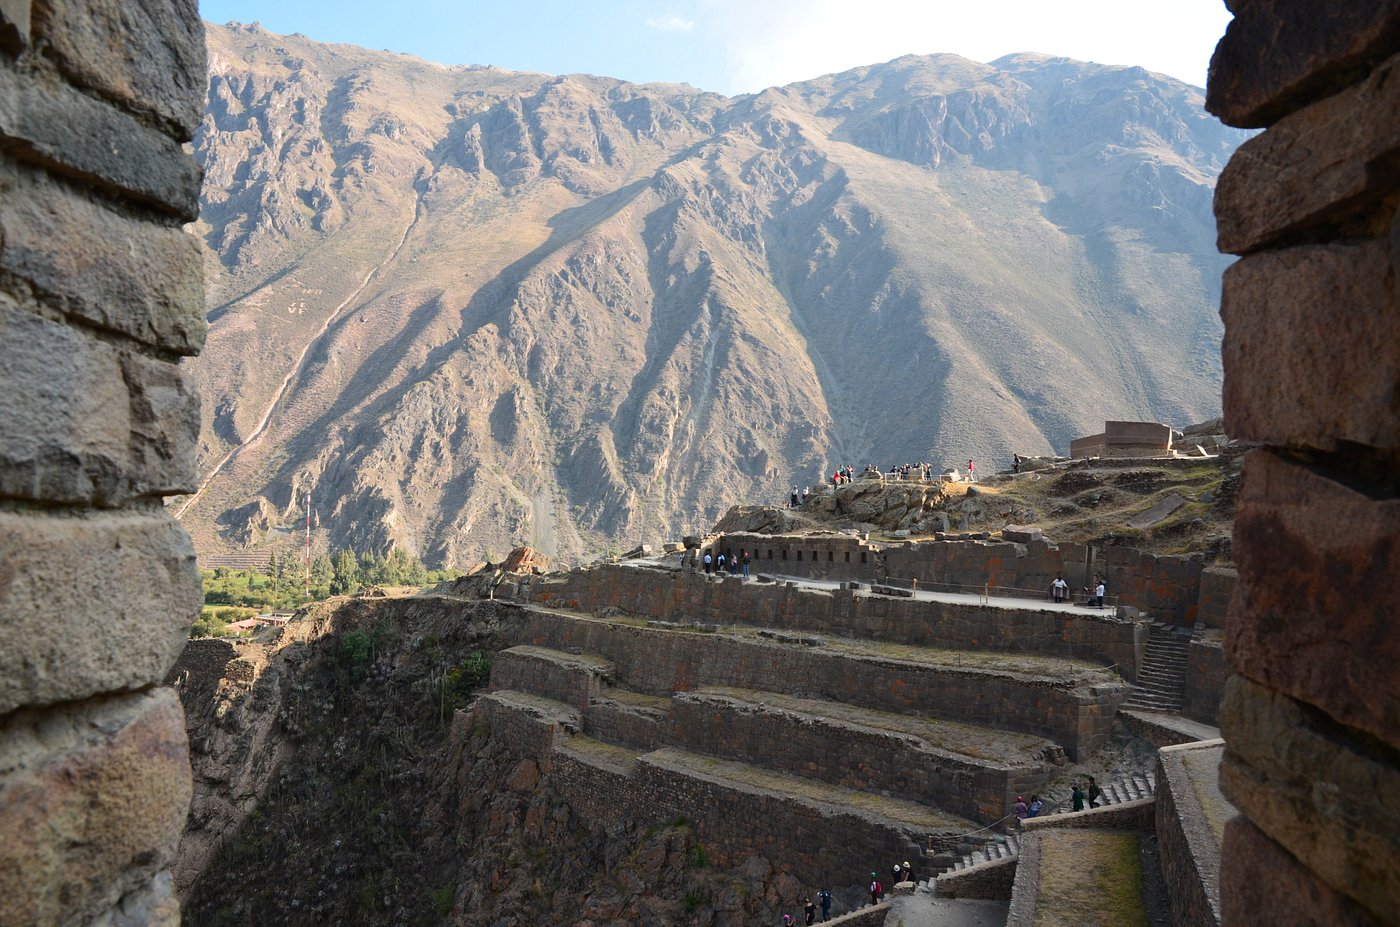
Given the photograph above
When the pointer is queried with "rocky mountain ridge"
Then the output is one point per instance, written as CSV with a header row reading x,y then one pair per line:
x,y
467,308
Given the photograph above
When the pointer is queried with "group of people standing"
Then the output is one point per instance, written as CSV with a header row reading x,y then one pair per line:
x,y
809,909
1080,794
1059,592
722,563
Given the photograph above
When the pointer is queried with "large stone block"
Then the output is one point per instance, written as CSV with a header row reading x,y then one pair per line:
x,y
1327,168
83,422
1327,795
1317,566
1321,319
66,131
92,802
86,259
1262,885
91,603
1280,55
145,55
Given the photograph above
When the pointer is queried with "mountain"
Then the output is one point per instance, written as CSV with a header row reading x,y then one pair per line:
x,y
467,308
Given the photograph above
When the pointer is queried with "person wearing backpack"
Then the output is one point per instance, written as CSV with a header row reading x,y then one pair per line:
x,y
876,889
824,896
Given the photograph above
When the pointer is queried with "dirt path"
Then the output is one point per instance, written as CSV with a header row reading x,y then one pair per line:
x,y
300,362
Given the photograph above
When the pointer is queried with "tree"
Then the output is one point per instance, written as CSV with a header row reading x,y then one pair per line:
x,y
346,580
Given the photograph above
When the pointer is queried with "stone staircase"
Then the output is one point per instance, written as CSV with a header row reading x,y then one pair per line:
x,y
1007,846
1161,680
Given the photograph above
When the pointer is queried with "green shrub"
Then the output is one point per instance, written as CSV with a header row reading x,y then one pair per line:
x,y
355,654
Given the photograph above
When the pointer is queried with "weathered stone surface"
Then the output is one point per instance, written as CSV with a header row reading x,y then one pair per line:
x,y
1317,567
1338,811
164,426
71,133
128,581
86,423
145,55
151,905
87,260
14,24
1306,316
1021,534
1280,55
1262,885
1329,166
92,800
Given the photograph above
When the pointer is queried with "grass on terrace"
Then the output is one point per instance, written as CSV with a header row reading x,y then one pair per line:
x,y
1089,878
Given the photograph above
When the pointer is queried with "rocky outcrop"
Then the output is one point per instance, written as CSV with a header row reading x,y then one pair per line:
x,y
470,309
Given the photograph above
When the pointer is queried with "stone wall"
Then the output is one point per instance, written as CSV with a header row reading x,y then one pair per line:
x,y
820,845
1217,586
865,759
575,682
1206,672
1076,715
1166,586
1312,361
991,880
1188,847
691,597
101,293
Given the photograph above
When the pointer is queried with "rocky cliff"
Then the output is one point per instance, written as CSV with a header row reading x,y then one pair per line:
x,y
467,308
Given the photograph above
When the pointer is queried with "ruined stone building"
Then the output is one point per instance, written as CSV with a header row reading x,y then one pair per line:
x,y
101,295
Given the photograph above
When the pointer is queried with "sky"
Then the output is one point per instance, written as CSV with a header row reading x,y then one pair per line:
x,y
743,46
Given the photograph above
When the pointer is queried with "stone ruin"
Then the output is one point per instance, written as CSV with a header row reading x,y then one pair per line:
x,y
100,295
1311,719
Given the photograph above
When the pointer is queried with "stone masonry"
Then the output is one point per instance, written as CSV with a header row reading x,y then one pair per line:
x,y
101,294
1311,717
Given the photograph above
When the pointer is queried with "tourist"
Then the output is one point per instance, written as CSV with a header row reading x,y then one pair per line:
x,y
1078,797
1095,793
733,566
1035,806
1020,809
825,897
1060,589
810,910
744,561
971,472
719,564
787,920
1015,463
805,493
1099,590
908,872
898,874
792,503
875,889
708,562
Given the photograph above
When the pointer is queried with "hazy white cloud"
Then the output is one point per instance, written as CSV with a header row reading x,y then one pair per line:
x,y
781,41
670,23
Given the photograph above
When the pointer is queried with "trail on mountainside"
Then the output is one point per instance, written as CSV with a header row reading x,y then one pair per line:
x,y
300,362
